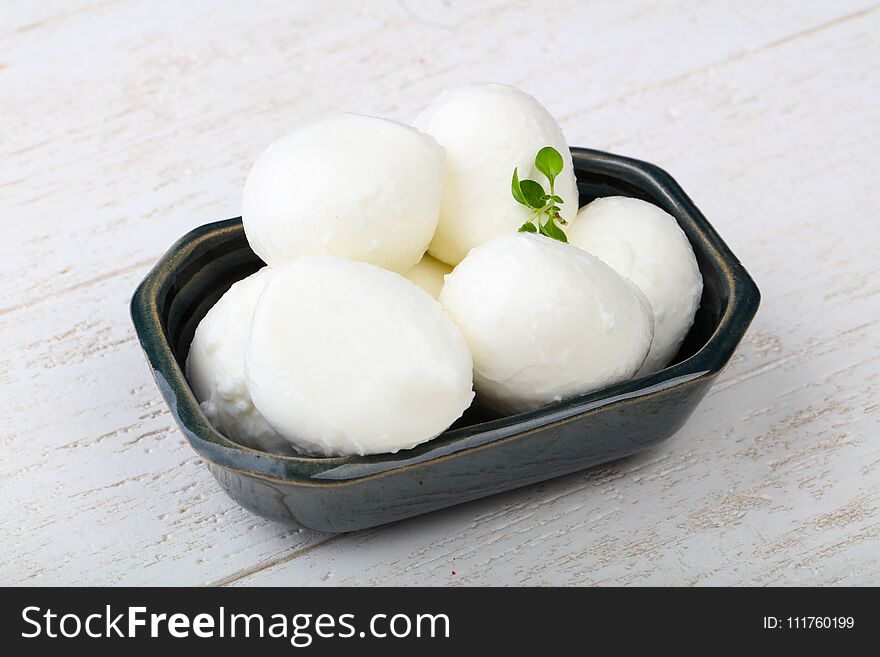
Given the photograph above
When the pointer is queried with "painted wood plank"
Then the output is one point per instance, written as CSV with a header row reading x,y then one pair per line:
x,y
127,123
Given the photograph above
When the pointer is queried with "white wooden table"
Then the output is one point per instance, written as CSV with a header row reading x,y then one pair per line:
x,y
125,124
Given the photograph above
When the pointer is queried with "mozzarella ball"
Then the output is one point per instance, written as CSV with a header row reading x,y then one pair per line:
x,y
487,130
348,185
545,321
215,367
645,245
347,358
429,274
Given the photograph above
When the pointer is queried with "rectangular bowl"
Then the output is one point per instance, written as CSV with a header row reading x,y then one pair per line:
x,y
479,455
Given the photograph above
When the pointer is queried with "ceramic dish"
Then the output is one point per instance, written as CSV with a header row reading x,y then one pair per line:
x,y
479,455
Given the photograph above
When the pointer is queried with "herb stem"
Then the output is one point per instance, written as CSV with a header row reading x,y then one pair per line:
x,y
531,194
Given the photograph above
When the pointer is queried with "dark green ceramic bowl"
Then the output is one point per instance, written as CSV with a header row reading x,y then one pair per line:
x,y
479,455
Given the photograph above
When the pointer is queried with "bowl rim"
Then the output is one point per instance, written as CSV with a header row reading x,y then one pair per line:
x,y
706,363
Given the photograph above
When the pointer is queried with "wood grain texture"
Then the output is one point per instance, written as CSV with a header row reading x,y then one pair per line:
x,y
128,123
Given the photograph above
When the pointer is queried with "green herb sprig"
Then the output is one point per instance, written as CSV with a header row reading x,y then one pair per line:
x,y
545,217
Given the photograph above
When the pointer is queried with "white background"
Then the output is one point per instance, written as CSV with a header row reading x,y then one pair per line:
x,y
125,124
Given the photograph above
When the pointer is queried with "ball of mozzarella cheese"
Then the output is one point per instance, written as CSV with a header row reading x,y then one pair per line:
x,y
545,321
645,245
215,367
429,274
348,185
347,358
487,130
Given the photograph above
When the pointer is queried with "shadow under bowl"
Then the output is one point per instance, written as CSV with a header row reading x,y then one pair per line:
x,y
479,455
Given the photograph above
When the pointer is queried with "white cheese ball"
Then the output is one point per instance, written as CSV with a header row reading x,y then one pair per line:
x,y
487,130
646,245
215,367
545,321
348,185
347,358
429,274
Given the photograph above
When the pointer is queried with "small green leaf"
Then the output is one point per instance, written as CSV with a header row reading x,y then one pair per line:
x,y
531,194
549,162
550,229
516,190
532,191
